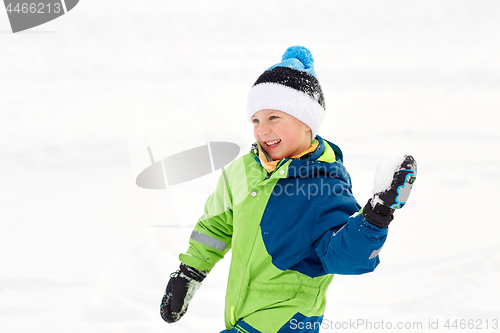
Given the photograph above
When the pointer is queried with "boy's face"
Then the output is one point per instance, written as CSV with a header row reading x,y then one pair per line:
x,y
280,134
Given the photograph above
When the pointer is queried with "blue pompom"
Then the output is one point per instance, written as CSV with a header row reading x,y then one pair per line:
x,y
300,53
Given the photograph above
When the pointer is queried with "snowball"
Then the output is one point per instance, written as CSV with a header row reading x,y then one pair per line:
x,y
385,173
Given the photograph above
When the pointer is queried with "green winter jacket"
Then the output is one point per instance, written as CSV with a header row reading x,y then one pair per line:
x,y
289,231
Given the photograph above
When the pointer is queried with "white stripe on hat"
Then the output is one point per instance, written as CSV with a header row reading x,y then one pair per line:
x,y
275,96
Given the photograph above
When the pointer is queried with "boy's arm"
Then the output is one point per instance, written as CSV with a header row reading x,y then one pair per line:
x,y
211,237
209,242
352,248
348,246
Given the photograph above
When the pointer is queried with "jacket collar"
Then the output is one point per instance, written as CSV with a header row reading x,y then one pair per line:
x,y
325,152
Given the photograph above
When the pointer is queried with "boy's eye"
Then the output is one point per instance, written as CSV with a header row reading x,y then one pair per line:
x,y
255,121
273,117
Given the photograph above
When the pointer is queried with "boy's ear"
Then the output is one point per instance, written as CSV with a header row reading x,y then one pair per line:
x,y
308,129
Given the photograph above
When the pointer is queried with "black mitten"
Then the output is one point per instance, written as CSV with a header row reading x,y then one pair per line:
x,y
379,210
180,290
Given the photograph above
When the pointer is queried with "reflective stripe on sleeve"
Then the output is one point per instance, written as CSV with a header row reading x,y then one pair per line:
x,y
209,241
375,253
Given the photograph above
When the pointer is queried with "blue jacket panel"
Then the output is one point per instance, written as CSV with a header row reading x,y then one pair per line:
x,y
308,225
352,248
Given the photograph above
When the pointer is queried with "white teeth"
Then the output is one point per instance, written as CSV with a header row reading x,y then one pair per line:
x,y
271,143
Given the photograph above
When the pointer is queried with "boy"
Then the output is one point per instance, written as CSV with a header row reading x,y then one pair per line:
x,y
287,211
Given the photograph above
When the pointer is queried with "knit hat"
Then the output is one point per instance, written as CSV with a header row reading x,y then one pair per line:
x,y
290,86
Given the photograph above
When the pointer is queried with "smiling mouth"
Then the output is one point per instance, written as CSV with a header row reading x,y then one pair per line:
x,y
272,143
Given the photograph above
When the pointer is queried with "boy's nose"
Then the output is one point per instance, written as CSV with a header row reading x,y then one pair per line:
x,y
263,130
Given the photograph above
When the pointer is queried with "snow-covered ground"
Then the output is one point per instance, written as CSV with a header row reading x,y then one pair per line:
x,y
82,249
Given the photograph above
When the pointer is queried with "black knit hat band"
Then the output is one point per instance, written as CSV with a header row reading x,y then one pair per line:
x,y
293,78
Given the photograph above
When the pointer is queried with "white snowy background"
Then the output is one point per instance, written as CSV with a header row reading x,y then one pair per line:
x,y
82,249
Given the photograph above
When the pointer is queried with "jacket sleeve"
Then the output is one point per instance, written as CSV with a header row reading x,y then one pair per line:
x,y
352,245
211,237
